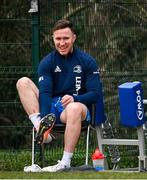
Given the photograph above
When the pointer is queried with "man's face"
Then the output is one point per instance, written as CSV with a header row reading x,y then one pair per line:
x,y
64,40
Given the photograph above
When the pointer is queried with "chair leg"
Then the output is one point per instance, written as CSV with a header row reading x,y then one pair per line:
x,y
42,155
87,145
33,149
33,145
33,167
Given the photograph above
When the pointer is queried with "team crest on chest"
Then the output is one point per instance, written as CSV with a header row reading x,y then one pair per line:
x,y
77,69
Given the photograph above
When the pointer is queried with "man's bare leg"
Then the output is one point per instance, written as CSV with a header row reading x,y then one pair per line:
x,y
72,116
28,93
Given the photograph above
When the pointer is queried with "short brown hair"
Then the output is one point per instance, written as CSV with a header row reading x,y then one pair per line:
x,y
63,23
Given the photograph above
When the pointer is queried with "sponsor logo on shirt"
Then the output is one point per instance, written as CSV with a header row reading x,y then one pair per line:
x,y
57,69
77,69
77,84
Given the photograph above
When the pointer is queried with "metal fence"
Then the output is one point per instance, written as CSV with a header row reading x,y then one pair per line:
x,y
114,32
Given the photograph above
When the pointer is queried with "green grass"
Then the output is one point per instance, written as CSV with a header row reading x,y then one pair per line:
x,y
72,175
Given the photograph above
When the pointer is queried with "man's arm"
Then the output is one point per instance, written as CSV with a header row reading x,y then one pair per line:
x,y
45,83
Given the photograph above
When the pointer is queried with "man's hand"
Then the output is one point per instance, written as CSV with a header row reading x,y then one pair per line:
x,y
66,100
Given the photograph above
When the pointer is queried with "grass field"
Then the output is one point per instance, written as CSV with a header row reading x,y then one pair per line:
x,y
73,175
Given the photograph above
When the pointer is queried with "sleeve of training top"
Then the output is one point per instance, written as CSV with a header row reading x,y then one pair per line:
x,y
92,85
45,83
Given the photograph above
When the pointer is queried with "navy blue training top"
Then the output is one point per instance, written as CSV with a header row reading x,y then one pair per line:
x,y
76,75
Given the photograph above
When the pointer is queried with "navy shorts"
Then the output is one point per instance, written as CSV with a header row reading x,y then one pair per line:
x,y
57,108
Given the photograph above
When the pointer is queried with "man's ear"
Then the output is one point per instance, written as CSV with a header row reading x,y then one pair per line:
x,y
75,37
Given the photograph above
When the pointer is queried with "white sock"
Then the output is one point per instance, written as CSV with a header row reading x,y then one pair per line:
x,y
35,119
66,159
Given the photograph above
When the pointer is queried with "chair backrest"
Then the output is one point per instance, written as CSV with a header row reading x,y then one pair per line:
x,y
98,112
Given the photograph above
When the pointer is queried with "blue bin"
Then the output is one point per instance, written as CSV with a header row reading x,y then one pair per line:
x,y
131,104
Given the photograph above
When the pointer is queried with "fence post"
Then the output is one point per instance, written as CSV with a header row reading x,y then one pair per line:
x,y
34,10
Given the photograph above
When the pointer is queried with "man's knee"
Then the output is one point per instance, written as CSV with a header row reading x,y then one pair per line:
x,y
22,82
74,107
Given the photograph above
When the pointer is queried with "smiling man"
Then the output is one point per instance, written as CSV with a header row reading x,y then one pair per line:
x,y
68,86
